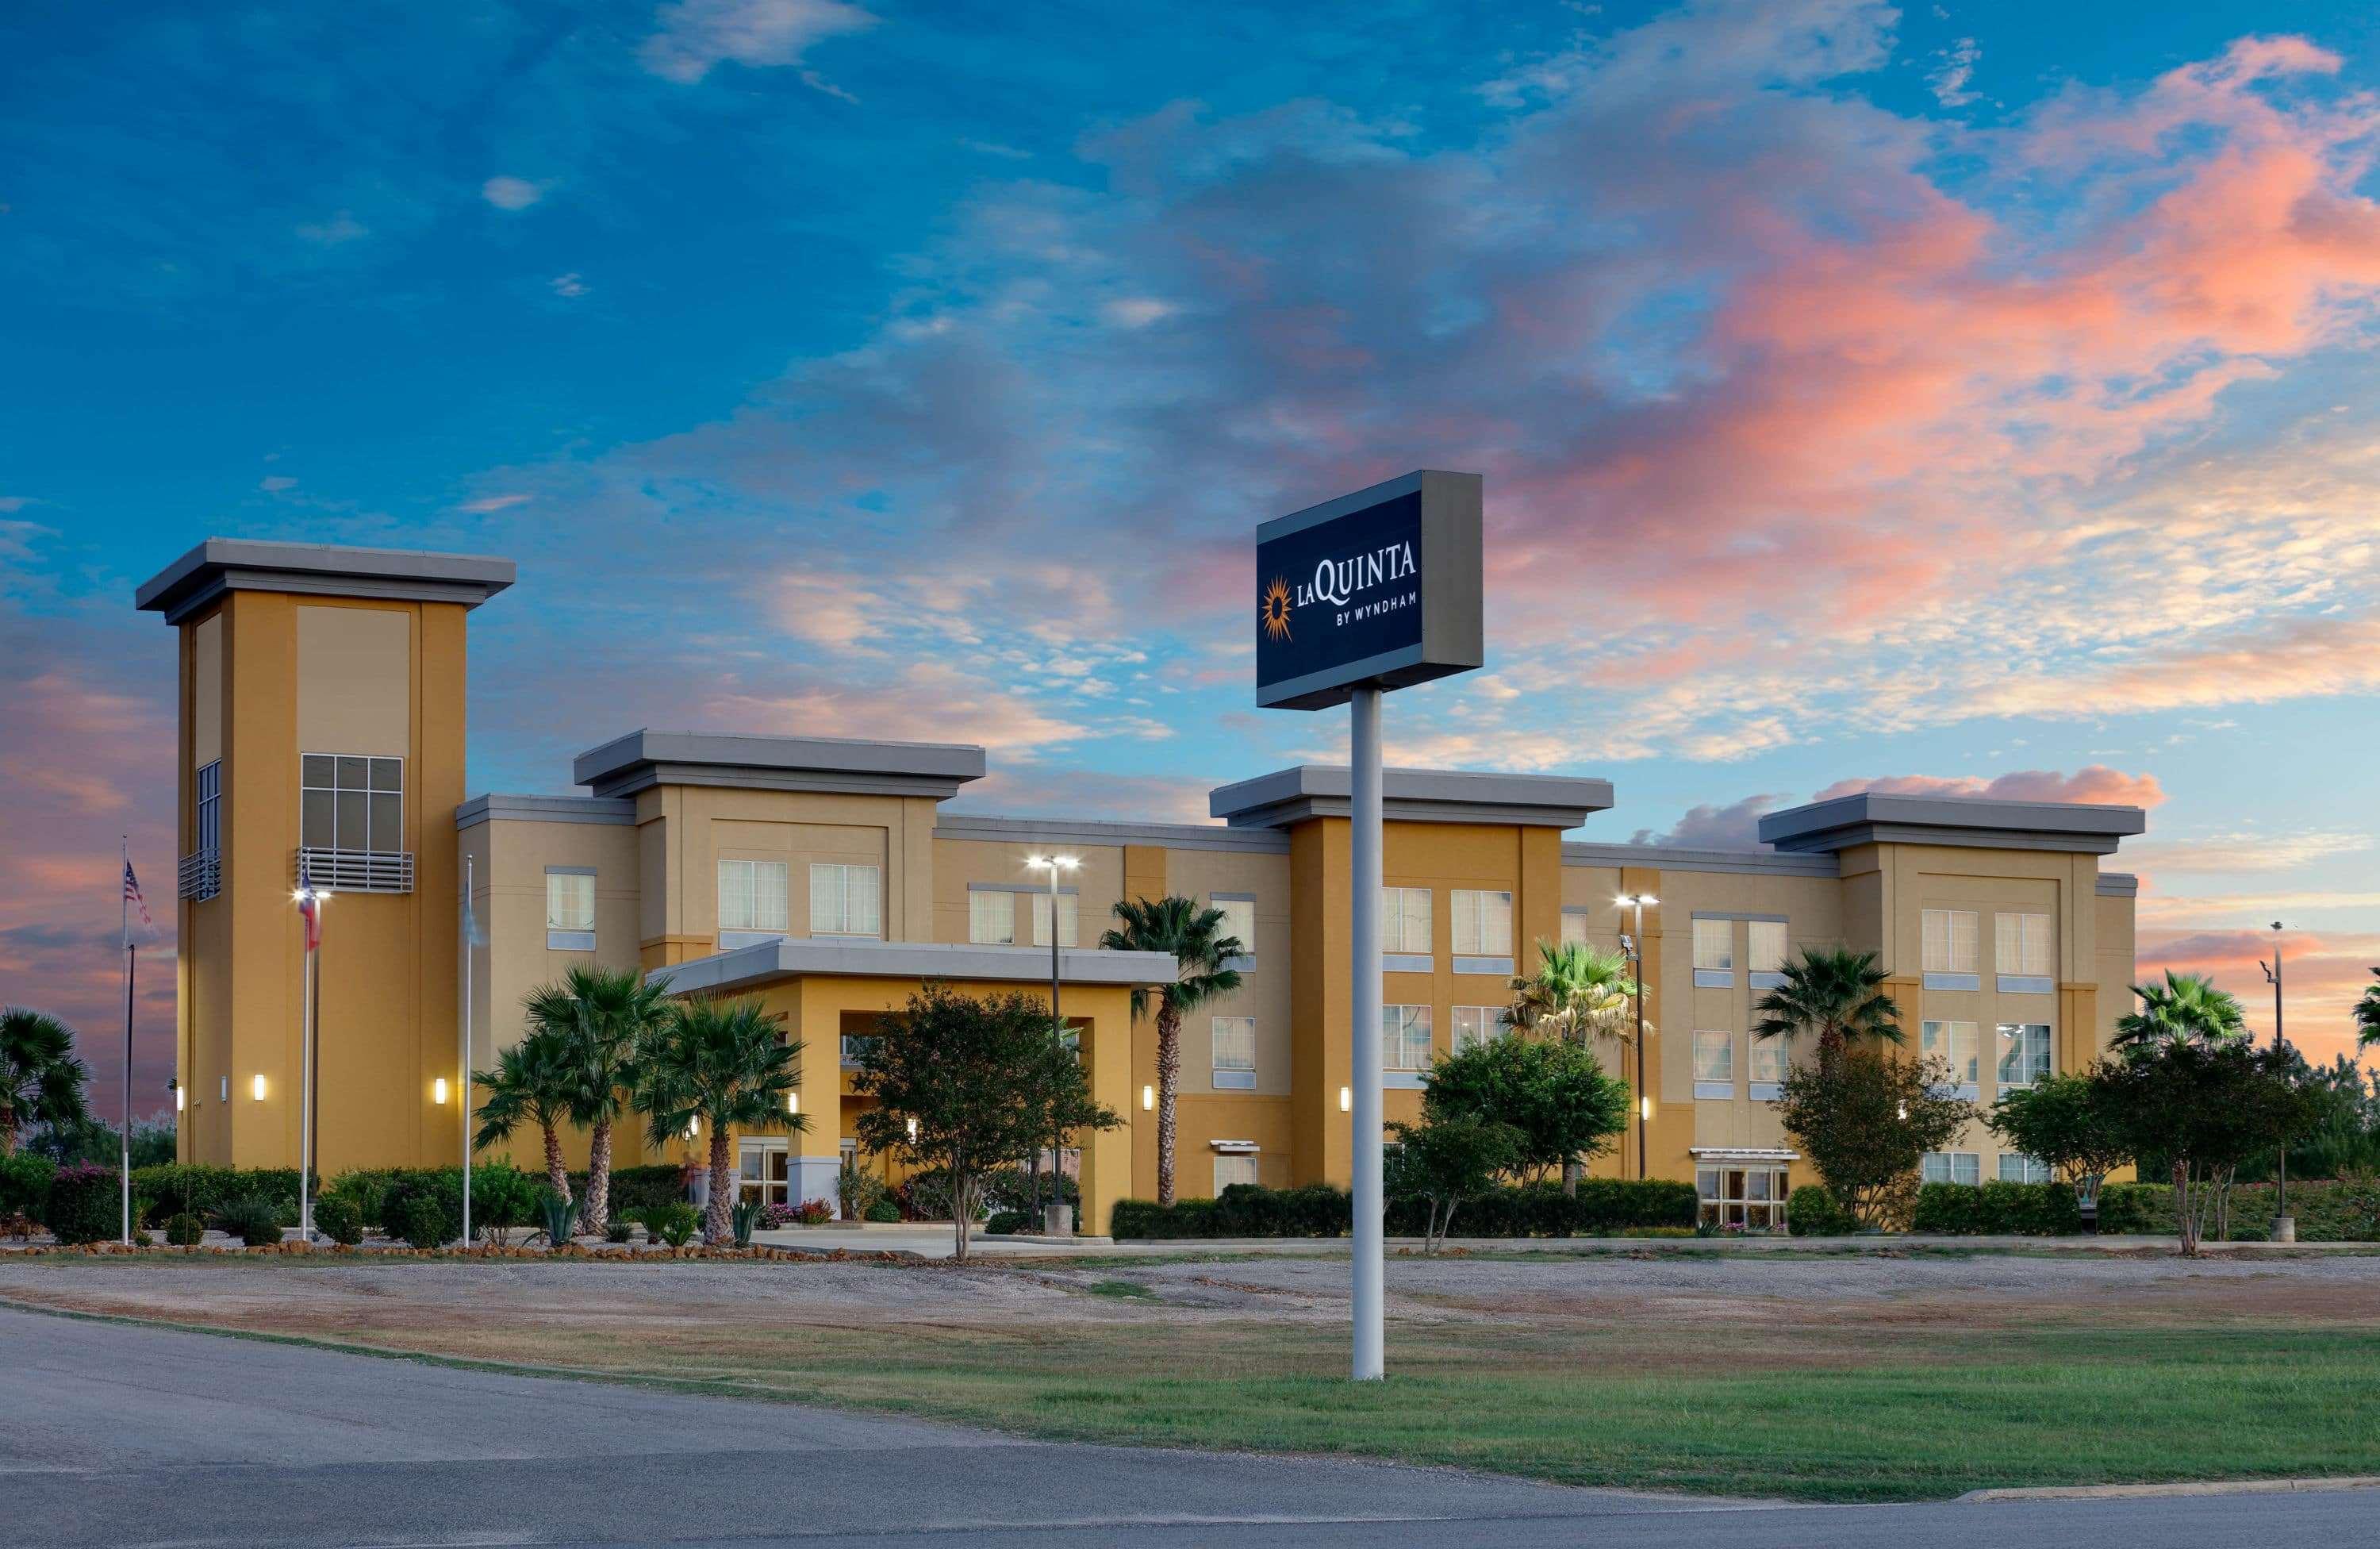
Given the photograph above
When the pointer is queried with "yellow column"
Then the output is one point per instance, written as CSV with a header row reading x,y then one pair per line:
x,y
814,1155
1107,1059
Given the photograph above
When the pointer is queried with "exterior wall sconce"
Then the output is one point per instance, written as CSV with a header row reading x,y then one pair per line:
x,y
178,1095
1644,1107
256,1087
1147,1098
438,1091
223,1091
1346,1100
793,1102
913,1130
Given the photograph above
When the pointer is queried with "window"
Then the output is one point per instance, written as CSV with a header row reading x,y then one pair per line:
x,y
209,827
1574,927
1475,1025
1954,1045
845,900
1714,1064
1066,917
1753,1197
2022,955
752,898
199,874
1404,922
1767,949
347,801
2024,1053
569,909
1239,920
991,919
1952,1167
1483,924
1950,942
764,1171
1768,1061
1239,1167
2018,1169
1235,1052
1404,1037
1715,945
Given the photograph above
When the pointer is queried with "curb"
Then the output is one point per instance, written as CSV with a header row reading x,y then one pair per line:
x,y
2177,1487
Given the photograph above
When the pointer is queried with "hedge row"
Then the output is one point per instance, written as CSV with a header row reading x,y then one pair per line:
x,y
1997,1209
634,1187
1601,1205
176,1187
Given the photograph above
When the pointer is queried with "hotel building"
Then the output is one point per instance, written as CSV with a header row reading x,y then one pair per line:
x,y
322,728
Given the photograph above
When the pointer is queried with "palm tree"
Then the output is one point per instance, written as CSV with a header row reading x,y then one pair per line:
x,y
1579,992
605,1016
2367,1015
726,1066
533,1083
40,1081
1192,937
1837,994
2187,1008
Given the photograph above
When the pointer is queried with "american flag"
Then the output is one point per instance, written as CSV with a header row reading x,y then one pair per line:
x,y
132,896
309,907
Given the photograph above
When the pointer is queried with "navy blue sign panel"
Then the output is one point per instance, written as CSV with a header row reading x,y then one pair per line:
x,y
1380,588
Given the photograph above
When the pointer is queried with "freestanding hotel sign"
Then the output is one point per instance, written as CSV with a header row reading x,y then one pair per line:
x,y
1374,591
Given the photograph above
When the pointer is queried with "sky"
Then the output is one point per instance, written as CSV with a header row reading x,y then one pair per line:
x,y
1932,396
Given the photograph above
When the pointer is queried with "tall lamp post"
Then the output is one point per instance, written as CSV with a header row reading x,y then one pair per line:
x,y
1632,941
310,900
2285,1225
1057,1220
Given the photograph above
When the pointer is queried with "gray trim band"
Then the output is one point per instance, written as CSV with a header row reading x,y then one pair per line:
x,y
2118,884
543,809
1034,888
1738,914
222,565
1664,859
860,956
983,828
570,871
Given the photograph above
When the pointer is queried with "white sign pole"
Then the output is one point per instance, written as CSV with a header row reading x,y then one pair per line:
x,y
1364,1043
470,918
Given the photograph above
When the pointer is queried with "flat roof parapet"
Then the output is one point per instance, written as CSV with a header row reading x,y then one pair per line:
x,y
846,766
221,565
1312,790
1972,822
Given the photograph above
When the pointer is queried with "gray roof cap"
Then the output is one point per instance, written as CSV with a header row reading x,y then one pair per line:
x,y
849,766
748,968
1311,791
1973,822
221,564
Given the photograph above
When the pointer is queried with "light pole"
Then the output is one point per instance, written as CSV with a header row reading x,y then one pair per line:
x,y
1057,1221
310,900
2285,1225
1632,941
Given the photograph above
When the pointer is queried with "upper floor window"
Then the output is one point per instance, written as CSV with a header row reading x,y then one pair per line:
x,y
1066,917
569,900
1483,924
1234,1051
1239,919
2021,945
845,900
1405,921
1766,946
1768,1061
351,801
752,896
1715,945
2024,1053
208,829
1954,1045
1475,1025
1404,1037
1952,939
1714,1064
1574,927
991,919
198,876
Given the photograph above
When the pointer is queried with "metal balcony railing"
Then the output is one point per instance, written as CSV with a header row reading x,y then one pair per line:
x,y
198,877
355,871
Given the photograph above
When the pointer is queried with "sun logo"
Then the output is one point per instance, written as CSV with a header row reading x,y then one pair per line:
x,y
1274,609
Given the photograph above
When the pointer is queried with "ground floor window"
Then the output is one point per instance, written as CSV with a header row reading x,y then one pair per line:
x,y
1952,1167
1751,1197
1404,1037
1237,1168
2016,1167
765,1168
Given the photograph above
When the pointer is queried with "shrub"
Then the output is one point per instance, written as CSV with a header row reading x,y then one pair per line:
x,y
815,1212
1601,1206
175,1187
255,1219
422,1220
885,1210
185,1230
633,1188
857,1191
85,1206
25,1181
674,1223
618,1229
1011,1188
502,1195
744,1217
1005,1222
560,1215
2137,1207
339,1220
1810,1211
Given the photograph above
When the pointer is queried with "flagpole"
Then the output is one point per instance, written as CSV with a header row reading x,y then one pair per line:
x,y
469,865
124,918
306,1081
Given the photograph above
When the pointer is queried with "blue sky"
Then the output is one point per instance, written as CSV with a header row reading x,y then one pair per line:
x,y
1924,394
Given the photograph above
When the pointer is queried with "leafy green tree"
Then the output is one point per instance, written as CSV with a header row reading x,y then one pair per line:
x,y
1579,992
2367,1015
1448,1159
724,1065
604,1018
533,1083
2186,1008
970,1087
1553,1093
2203,1106
40,1081
2064,1123
1193,937
1866,1122
1835,995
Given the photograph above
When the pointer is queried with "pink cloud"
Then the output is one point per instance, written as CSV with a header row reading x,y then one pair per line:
x,y
2094,783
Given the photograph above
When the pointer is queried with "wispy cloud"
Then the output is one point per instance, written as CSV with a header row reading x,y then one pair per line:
x,y
693,36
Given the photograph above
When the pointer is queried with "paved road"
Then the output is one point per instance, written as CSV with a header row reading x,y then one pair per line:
x,y
119,1435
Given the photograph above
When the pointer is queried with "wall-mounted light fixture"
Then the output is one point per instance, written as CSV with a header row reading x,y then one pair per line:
x,y
693,1126
256,1086
438,1091
1644,1107
1147,1098
913,1130
223,1092
793,1102
1346,1100
177,1099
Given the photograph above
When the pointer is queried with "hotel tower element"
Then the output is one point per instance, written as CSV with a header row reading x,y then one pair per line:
x,y
323,729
